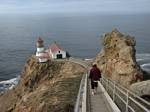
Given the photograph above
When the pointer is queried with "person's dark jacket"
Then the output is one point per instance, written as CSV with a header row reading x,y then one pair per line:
x,y
95,74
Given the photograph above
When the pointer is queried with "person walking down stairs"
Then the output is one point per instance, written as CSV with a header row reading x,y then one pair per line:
x,y
95,75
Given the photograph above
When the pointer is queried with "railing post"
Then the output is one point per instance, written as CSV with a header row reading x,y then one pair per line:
x,y
127,102
101,81
114,90
107,85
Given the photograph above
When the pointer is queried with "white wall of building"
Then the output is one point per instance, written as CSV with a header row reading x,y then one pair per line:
x,y
42,60
54,55
40,54
40,49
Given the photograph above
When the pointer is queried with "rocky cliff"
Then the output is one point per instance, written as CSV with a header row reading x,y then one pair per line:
x,y
44,87
117,58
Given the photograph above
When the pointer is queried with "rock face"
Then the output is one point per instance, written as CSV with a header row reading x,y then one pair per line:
x,y
45,87
117,58
141,88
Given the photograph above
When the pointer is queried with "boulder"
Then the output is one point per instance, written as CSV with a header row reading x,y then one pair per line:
x,y
141,88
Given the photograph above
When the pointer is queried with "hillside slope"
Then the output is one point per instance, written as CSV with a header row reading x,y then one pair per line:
x,y
45,87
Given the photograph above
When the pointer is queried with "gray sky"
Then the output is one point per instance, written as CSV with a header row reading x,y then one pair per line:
x,y
109,6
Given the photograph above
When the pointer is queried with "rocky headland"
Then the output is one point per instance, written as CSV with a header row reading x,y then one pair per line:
x,y
44,87
117,58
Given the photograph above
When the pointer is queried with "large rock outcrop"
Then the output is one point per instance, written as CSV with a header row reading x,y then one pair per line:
x,y
45,87
117,58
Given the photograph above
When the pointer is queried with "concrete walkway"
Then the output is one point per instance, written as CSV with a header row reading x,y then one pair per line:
x,y
97,101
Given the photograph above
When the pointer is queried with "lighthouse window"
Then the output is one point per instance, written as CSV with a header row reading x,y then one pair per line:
x,y
59,51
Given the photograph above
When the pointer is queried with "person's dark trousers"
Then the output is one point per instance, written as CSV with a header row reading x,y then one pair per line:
x,y
94,84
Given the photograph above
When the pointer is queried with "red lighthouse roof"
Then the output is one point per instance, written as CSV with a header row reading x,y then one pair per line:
x,y
54,47
40,40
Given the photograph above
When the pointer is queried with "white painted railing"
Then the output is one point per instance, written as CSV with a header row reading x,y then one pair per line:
x,y
81,103
79,61
126,100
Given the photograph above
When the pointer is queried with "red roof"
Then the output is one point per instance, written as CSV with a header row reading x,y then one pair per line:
x,y
54,47
40,40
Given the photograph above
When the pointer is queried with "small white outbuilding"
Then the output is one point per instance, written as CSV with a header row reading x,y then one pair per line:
x,y
56,52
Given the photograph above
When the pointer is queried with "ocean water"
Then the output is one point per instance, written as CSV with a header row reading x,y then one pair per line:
x,y
78,34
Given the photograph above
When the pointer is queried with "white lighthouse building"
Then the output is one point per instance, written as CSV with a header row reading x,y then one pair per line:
x,y
40,53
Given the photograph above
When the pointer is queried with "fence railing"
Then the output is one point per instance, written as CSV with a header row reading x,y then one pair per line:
x,y
126,100
79,61
81,102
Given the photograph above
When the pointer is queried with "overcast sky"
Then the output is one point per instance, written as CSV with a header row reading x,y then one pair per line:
x,y
110,6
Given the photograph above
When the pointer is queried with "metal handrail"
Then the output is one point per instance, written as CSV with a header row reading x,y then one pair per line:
x,y
78,61
81,102
82,98
125,96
